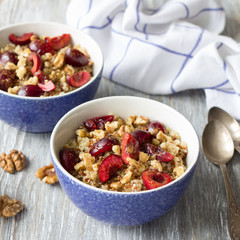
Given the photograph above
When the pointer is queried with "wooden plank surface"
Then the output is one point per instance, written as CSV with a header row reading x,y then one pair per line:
x,y
48,214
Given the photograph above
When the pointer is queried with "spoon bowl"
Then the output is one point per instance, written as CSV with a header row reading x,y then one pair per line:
x,y
229,122
217,143
218,147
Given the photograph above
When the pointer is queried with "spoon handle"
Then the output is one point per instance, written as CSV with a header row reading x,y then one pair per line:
x,y
233,208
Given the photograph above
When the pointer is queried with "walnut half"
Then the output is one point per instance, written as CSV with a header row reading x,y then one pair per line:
x,y
47,174
8,207
14,160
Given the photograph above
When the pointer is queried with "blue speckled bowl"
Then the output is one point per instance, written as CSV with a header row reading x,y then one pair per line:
x,y
116,207
41,114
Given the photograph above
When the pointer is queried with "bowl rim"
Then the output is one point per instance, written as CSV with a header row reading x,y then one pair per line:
x,y
94,77
54,157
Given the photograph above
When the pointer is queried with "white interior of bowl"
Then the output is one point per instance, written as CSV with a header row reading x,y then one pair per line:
x,y
52,29
124,106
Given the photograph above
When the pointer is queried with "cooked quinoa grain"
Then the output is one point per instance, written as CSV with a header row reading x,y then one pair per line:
x,y
51,66
103,146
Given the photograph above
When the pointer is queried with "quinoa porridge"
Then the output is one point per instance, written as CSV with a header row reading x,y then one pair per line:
x,y
38,66
125,155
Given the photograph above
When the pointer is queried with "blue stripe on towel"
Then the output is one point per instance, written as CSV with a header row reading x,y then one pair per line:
x,y
89,9
223,90
217,87
99,27
186,8
187,56
220,45
124,55
138,17
206,10
186,59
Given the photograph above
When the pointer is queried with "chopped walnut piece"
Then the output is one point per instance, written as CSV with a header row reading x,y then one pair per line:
x,y
18,159
47,174
34,37
6,163
178,171
59,60
116,149
157,165
127,177
116,185
141,120
14,160
143,157
8,207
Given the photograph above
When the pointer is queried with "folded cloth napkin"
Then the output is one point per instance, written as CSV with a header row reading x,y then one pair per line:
x,y
163,47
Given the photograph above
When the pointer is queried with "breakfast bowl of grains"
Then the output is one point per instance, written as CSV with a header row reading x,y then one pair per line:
x,y
46,69
124,160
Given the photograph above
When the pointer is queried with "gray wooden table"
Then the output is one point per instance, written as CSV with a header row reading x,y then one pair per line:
x,y
49,214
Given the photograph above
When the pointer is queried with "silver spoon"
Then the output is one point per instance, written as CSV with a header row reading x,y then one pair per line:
x,y
229,122
218,148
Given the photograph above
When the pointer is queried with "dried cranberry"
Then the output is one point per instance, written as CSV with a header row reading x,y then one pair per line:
x,y
142,136
43,82
75,58
154,127
59,42
164,156
40,47
47,86
130,147
8,57
21,40
103,145
161,155
109,166
97,122
68,158
41,76
154,179
79,79
90,125
30,91
37,62
6,79
150,149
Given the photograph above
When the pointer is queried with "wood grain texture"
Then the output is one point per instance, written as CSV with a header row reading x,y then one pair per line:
x,y
48,214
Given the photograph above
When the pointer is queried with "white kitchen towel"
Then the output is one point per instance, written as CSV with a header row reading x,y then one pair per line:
x,y
163,47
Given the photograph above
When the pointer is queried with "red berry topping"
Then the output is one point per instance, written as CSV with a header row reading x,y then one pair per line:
x,y
75,58
102,146
30,91
97,122
154,179
142,136
79,79
40,47
154,127
109,166
164,156
8,57
37,62
47,86
41,76
68,158
130,147
161,155
59,42
6,79
43,82
21,40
